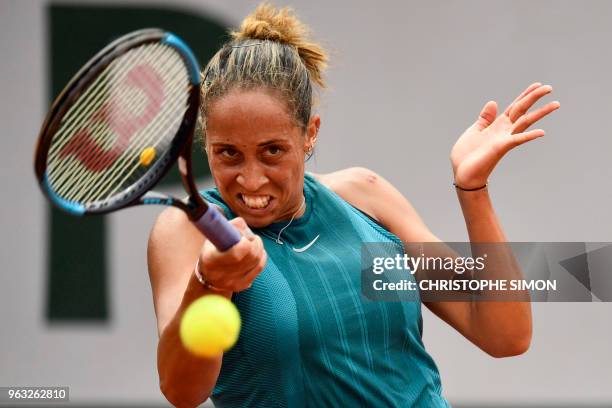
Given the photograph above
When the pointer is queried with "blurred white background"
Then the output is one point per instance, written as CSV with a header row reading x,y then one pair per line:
x,y
406,79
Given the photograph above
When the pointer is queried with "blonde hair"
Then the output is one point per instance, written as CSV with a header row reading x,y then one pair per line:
x,y
270,50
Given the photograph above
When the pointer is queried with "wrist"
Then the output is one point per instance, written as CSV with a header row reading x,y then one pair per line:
x,y
201,278
475,187
196,290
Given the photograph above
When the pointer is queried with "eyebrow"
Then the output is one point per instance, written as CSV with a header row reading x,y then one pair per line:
x,y
273,141
266,143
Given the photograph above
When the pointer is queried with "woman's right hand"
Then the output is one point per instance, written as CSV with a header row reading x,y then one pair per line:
x,y
235,269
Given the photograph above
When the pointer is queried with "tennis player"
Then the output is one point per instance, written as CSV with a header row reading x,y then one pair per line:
x,y
308,338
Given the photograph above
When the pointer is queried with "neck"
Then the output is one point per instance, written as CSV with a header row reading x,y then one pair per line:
x,y
301,209
298,213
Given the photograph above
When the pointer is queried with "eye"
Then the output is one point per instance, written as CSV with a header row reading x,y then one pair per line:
x,y
229,153
273,151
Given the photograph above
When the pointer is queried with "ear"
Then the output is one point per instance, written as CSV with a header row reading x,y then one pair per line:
x,y
312,132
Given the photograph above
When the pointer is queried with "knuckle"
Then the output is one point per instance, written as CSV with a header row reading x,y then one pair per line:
x,y
258,244
239,223
263,261
255,251
517,113
519,126
238,252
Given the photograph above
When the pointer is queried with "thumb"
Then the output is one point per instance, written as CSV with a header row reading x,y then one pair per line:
x,y
242,227
487,115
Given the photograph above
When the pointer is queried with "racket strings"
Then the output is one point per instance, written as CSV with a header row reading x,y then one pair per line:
x,y
75,177
89,180
93,99
132,168
169,122
75,114
81,114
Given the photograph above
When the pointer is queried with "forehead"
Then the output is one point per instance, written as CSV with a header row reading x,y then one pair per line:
x,y
249,116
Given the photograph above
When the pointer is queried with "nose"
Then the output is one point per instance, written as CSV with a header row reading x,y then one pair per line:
x,y
252,178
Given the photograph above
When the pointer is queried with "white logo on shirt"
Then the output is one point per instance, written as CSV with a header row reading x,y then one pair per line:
x,y
307,246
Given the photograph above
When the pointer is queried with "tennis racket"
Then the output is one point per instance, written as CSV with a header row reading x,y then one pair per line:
x,y
119,125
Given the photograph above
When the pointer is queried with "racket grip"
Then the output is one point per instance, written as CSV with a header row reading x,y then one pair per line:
x,y
217,229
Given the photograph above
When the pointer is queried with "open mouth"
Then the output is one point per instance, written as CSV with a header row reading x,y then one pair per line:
x,y
255,202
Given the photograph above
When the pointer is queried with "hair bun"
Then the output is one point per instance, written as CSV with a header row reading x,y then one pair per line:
x,y
281,25
268,23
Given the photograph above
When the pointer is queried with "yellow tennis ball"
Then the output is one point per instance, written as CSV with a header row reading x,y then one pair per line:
x,y
147,156
210,326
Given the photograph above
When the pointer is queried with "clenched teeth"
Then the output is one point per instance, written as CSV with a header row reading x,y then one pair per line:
x,y
255,202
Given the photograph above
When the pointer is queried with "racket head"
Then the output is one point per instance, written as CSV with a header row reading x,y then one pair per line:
x,y
120,124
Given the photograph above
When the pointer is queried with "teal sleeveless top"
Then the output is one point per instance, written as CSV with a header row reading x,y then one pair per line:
x,y
308,337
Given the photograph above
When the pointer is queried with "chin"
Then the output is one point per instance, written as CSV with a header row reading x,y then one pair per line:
x,y
257,222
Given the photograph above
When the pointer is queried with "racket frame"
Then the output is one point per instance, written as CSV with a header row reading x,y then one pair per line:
x,y
180,150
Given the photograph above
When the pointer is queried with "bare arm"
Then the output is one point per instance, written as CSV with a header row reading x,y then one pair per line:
x,y
498,328
174,247
509,323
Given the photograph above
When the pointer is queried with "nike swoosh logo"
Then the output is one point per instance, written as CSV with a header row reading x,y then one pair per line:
x,y
307,246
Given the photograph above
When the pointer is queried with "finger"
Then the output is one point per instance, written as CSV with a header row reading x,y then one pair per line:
x,y
248,233
254,256
522,106
244,282
529,89
529,119
487,115
234,255
239,223
243,228
255,271
229,272
520,138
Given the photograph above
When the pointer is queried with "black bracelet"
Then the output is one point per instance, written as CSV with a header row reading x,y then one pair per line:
x,y
471,189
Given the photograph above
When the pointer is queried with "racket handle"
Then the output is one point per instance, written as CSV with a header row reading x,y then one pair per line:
x,y
217,229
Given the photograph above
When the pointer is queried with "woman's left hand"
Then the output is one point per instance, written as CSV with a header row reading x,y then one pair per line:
x,y
483,144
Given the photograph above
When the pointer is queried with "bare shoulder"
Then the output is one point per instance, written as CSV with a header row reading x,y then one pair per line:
x,y
372,194
353,184
173,240
356,177
171,225
170,217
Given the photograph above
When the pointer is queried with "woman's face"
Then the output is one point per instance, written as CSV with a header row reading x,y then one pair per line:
x,y
256,155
